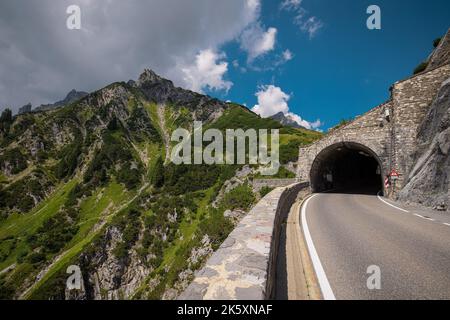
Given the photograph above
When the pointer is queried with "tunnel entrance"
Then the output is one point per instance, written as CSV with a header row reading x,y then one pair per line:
x,y
347,167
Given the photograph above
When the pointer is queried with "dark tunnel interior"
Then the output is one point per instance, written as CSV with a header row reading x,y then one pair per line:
x,y
348,168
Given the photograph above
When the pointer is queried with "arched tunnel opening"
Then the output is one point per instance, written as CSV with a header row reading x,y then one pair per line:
x,y
347,167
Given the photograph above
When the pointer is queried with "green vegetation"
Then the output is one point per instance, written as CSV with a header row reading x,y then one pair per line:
x,y
21,195
157,174
421,67
341,124
101,182
240,197
283,173
114,151
15,159
436,42
265,191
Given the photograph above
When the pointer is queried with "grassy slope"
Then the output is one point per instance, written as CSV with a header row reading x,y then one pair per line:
x,y
18,226
104,204
108,201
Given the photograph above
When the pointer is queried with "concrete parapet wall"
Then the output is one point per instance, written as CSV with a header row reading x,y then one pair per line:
x,y
244,266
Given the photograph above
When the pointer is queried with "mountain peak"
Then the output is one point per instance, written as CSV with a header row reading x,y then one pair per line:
x,y
286,120
151,77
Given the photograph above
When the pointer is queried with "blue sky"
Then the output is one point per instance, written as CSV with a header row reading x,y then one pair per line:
x,y
333,67
345,69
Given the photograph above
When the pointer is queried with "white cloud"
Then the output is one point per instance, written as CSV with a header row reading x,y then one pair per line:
x,y
256,41
307,23
272,100
117,41
290,4
207,71
311,26
287,55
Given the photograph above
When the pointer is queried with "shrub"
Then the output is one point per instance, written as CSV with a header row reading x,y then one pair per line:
x,y
265,191
157,175
16,159
436,42
421,67
36,257
240,197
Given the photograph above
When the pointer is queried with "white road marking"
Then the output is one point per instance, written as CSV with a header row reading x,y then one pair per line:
x,y
418,215
447,224
390,204
325,287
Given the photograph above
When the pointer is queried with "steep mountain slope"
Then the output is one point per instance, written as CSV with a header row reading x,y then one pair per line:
x,y
89,184
429,181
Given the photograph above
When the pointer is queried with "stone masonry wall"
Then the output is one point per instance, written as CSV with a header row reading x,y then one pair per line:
x,y
394,141
368,130
412,100
243,267
258,184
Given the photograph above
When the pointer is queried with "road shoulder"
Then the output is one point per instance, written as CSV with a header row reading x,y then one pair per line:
x,y
302,283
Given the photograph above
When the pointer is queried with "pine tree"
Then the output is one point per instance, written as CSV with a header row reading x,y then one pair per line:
x,y
157,176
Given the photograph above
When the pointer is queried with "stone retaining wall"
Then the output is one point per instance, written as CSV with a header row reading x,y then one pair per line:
x,y
245,264
258,184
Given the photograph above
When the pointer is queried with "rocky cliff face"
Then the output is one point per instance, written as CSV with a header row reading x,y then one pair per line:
x,y
429,181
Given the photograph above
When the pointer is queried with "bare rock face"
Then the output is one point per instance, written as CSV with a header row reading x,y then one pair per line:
x,y
429,181
163,91
109,277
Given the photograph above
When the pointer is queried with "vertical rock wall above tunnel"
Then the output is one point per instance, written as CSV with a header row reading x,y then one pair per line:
x,y
412,99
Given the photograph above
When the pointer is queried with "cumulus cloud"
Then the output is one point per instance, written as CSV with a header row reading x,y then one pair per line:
x,y
272,100
256,41
307,23
41,60
207,71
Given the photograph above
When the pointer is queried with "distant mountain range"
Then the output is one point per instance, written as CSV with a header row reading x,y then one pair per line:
x,y
72,96
286,120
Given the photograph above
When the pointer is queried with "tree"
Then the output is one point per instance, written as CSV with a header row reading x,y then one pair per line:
x,y
5,120
436,42
157,176
6,116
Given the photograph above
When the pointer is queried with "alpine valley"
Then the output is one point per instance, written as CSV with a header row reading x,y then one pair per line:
x,y
89,183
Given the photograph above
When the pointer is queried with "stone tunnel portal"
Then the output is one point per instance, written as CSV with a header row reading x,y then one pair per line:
x,y
347,167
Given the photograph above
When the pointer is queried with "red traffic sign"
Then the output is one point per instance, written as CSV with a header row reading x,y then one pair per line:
x,y
394,173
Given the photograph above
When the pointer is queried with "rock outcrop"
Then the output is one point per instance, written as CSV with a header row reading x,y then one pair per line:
x,y
25,109
429,181
286,120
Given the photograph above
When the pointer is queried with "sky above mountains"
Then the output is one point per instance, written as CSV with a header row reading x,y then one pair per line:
x,y
313,59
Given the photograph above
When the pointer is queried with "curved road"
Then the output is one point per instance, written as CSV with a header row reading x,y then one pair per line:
x,y
348,233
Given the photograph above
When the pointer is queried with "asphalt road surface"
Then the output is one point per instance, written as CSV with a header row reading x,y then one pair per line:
x,y
348,233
